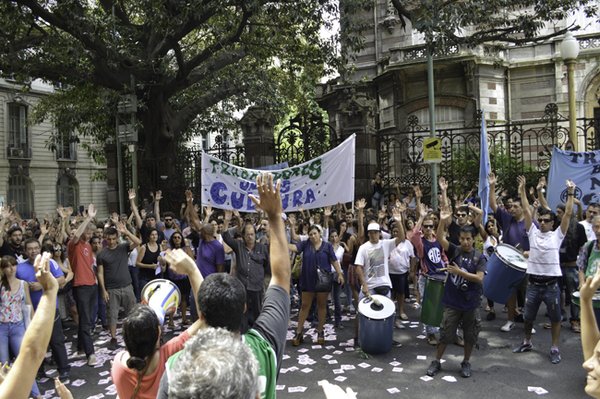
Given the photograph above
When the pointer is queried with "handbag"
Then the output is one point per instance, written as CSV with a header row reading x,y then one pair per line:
x,y
324,281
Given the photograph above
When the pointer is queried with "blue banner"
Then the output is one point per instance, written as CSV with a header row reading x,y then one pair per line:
x,y
581,167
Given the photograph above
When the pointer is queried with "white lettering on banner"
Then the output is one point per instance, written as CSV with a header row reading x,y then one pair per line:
x,y
322,181
581,167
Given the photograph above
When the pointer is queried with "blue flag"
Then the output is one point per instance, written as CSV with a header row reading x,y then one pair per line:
x,y
581,167
484,170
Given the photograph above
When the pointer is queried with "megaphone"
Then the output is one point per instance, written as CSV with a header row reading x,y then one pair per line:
x,y
162,296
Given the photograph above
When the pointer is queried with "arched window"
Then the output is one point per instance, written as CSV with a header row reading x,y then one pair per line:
x,y
67,191
20,193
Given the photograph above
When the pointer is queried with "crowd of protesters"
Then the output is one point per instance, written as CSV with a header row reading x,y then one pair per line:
x,y
256,267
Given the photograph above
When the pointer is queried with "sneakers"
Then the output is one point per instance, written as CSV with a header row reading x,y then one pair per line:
x,y
524,347
432,340
112,345
434,368
555,356
63,376
398,324
508,326
575,326
91,360
403,316
465,369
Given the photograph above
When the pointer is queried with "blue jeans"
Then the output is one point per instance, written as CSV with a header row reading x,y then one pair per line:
x,y
337,306
11,336
535,295
570,283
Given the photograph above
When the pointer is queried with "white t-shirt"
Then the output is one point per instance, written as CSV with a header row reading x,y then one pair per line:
x,y
374,259
589,232
400,257
544,257
339,253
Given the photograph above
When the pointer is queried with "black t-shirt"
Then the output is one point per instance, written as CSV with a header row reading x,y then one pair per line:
x,y
8,250
116,267
572,243
459,293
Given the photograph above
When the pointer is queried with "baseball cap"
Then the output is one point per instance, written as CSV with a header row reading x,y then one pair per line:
x,y
373,227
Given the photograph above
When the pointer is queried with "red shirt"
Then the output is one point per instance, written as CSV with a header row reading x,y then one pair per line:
x,y
125,379
81,258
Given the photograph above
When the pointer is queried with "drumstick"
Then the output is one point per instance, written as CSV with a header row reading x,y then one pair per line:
x,y
443,269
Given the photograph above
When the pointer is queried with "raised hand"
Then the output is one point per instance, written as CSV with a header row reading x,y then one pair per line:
x,y
42,272
158,195
397,213
143,213
522,182
445,214
361,203
570,186
269,198
189,196
590,285
492,178
114,217
327,211
208,211
92,211
443,183
68,211
120,227
228,214
6,213
131,193
541,183
381,214
61,211
292,219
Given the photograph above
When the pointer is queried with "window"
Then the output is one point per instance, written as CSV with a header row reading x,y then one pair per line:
x,y
67,191
21,194
18,137
65,145
446,117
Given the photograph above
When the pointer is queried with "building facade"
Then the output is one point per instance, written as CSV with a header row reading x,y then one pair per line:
x,y
36,177
388,89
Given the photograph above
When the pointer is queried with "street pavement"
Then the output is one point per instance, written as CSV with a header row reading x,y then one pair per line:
x,y
497,372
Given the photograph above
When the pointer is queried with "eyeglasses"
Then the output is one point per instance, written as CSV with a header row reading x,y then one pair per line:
x,y
428,226
544,220
461,215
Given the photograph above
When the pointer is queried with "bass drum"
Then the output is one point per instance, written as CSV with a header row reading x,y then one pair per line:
x,y
376,324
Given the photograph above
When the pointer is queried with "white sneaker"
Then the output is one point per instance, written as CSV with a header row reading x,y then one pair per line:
x,y
533,331
508,326
91,360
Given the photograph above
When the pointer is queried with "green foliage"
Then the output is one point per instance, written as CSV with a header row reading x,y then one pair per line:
x,y
473,22
185,61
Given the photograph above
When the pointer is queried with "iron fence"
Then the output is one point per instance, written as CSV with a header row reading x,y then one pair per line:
x,y
520,147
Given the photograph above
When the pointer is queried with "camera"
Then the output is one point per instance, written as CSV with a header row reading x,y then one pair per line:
x,y
464,286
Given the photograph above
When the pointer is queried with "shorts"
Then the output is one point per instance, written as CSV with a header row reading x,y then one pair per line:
x,y
118,297
399,283
471,324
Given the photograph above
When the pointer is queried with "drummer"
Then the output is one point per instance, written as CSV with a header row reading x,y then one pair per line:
x,y
431,256
514,233
462,293
543,267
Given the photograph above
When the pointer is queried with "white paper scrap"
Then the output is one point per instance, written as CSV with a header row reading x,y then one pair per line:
x,y
537,390
421,357
296,389
340,378
449,378
397,369
376,370
393,390
395,363
364,365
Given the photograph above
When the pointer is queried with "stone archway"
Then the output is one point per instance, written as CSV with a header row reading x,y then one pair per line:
x,y
591,93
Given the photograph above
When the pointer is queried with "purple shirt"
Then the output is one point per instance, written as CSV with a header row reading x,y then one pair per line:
x,y
26,272
513,232
209,254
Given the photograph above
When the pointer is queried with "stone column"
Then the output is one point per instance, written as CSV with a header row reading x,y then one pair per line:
x,y
351,111
258,126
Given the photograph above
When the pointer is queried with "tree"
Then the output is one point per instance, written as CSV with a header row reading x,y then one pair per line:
x,y
180,58
472,22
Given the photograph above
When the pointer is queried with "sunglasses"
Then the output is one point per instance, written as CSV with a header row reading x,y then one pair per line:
x,y
428,226
545,220
168,219
56,249
461,215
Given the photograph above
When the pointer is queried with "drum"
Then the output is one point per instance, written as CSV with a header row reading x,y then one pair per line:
x,y
595,303
505,270
162,296
376,324
432,309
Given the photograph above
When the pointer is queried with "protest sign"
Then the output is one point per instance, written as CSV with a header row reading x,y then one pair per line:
x,y
581,167
322,181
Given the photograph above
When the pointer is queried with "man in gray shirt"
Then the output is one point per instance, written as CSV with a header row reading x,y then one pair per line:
x,y
114,278
251,264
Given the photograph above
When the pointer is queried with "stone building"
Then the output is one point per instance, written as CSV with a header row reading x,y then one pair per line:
x,y
32,176
512,84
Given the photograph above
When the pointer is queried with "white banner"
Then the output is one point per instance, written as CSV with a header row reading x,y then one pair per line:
x,y
320,182
581,167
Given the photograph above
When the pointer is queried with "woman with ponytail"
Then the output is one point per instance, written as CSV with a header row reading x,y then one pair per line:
x,y
137,371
